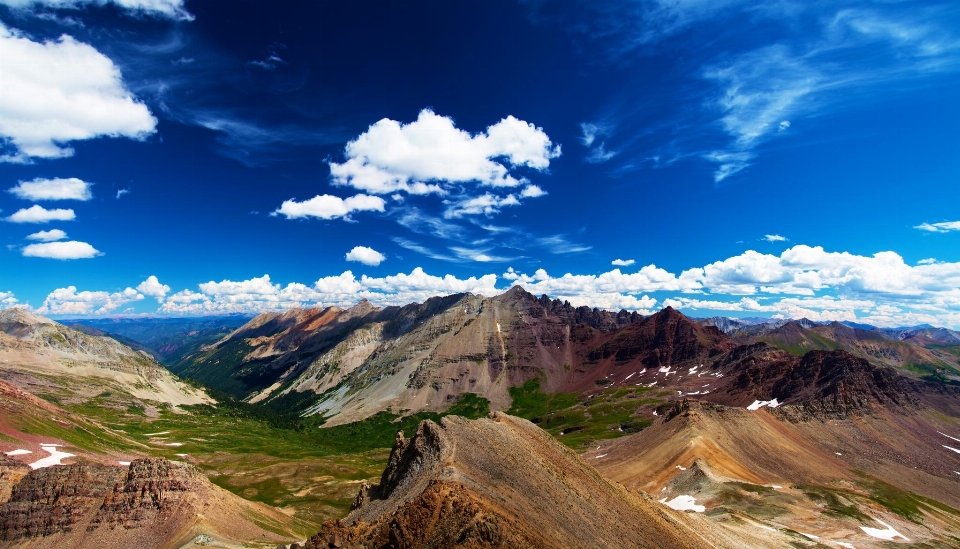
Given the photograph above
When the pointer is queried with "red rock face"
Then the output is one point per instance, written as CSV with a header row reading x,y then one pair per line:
x,y
87,497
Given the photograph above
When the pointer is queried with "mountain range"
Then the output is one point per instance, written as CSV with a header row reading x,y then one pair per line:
x,y
656,431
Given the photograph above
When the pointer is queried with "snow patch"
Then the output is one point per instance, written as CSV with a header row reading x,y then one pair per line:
x,y
951,448
629,376
174,444
181,455
950,437
55,457
600,456
156,434
757,404
124,463
811,536
684,503
18,452
498,327
844,544
681,467
888,534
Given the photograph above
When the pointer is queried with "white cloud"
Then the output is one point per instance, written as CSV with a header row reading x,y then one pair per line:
x,y
68,301
327,206
152,287
122,192
486,204
7,300
775,238
943,227
60,91
48,236
927,261
600,154
172,9
422,156
39,214
532,191
784,125
53,189
70,249
365,255
622,262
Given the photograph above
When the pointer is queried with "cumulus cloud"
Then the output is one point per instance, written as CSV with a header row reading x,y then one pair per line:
x,y
327,206
152,287
48,236
943,227
70,249
422,156
39,214
532,191
365,255
60,91
622,262
53,189
172,9
7,300
68,301
775,238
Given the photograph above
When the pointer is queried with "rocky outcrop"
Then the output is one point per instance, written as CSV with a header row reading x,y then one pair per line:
x,y
150,504
56,499
11,471
153,491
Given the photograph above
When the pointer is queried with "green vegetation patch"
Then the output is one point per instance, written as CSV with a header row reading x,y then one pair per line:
x,y
608,414
901,502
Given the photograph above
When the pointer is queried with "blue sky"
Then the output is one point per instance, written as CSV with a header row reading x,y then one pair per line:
x,y
184,158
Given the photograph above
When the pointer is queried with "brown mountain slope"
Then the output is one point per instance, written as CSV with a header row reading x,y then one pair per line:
x,y
502,482
153,503
37,352
825,478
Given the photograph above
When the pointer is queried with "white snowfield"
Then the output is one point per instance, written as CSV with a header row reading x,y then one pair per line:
x,y
684,503
845,545
757,404
55,458
950,437
18,452
888,533
156,434
951,448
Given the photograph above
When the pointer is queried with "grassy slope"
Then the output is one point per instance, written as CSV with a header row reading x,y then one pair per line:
x,y
578,423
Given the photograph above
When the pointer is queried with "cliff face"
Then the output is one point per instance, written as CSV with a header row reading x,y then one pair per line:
x,y
150,504
56,499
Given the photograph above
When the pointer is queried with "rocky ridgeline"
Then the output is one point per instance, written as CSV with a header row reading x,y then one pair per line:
x,y
11,471
86,496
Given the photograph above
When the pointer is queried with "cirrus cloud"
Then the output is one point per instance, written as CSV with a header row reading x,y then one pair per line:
x,y
172,9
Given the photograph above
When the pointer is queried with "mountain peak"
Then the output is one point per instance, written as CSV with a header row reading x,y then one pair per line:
x,y
19,315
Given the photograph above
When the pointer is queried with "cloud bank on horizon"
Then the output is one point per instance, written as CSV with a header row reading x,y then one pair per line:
x,y
802,282
648,169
